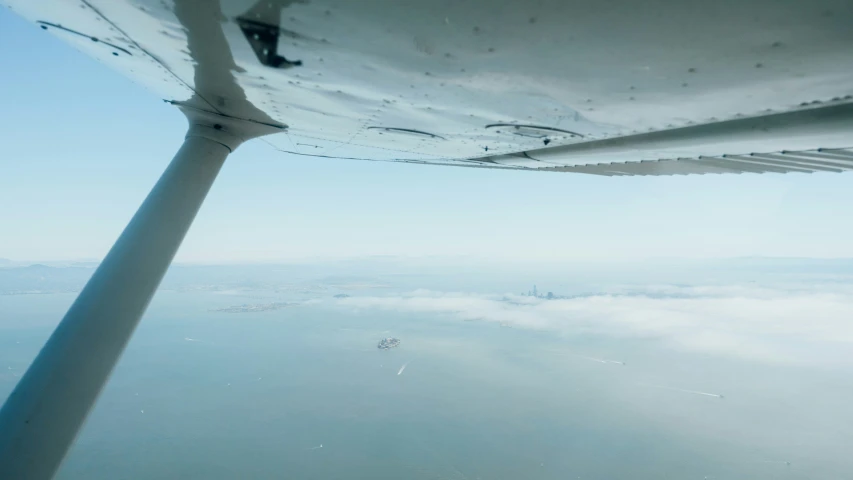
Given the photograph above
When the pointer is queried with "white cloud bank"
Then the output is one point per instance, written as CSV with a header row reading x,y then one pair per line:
x,y
808,325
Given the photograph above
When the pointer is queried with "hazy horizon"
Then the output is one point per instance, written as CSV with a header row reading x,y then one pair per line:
x,y
724,371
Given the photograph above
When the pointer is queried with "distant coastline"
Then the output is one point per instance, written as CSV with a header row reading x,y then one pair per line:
x,y
259,307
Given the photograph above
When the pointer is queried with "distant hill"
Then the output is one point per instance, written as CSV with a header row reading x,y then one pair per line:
x,y
43,279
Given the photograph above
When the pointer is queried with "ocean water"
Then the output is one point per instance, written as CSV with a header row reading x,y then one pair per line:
x,y
303,392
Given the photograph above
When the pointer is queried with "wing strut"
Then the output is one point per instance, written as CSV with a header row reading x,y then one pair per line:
x,y
42,416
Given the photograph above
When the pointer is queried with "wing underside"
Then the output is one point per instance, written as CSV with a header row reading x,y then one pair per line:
x,y
662,87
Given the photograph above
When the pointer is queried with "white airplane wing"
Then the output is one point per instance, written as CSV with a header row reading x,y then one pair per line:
x,y
605,87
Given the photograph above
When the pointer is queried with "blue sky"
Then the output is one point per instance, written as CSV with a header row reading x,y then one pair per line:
x,y
83,145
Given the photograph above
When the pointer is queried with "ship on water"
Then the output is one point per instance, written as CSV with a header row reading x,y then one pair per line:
x,y
388,343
